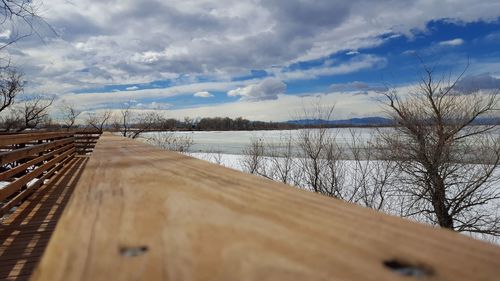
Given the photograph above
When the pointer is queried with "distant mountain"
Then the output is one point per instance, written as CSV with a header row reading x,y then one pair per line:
x,y
364,121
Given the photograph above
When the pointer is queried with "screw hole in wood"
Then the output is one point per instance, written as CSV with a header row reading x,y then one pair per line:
x,y
133,251
407,269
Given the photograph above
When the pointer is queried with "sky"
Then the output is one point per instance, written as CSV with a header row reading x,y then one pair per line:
x,y
259,59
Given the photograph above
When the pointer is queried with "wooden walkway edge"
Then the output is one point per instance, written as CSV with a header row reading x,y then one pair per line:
x,y
140,213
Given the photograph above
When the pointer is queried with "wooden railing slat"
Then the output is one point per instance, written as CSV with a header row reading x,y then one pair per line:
x,y
24,150
14,155
21,196
87,137
27,137
18,169
140,213
79,144
14,186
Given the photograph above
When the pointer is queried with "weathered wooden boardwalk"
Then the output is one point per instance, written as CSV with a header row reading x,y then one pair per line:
x,y
141,213
25,234
39,172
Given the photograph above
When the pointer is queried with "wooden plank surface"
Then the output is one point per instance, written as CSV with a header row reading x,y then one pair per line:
x,y
139,213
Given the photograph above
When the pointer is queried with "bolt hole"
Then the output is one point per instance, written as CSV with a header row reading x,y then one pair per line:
x,y
407,269
133,251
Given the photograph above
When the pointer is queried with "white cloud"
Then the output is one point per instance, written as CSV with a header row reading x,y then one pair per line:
x,y
5,34
203,94
356,64
358,87
452,42
267,89
132,88
484,81
99,99
110,42
153,105
289,107
409,52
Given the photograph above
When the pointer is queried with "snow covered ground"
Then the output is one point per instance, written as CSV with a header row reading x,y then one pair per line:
x,y
3,184
228,160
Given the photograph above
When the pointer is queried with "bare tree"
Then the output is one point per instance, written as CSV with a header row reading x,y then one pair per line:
x,y
253,160
15,15
11,121
18,19
214,155
370,177
217,158
21,19
322,163
145,121
125,114
281,161
171,141
189,122
33,112
98,121
11,84
133,123
69,114
447,163
333,173
319,153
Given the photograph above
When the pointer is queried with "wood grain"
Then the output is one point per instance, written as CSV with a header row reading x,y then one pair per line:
x,y
139,213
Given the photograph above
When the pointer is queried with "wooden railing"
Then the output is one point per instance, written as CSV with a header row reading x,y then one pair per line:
x,y
85,142
28,160
141,213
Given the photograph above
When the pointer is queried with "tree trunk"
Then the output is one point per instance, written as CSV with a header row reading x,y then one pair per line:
x,y
439,202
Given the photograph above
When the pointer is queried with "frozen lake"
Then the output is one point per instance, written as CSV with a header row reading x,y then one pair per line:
x,y
234,142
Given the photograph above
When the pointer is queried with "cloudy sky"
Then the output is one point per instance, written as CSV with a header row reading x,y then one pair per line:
x,y
260,59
